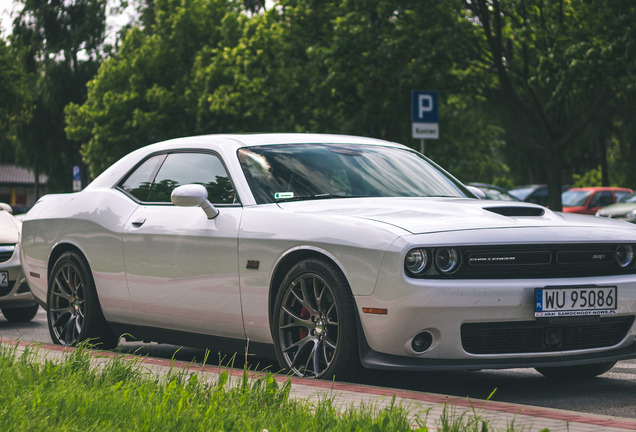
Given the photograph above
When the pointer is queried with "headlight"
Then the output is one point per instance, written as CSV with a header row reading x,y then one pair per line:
x,y
631,215
625,255
417,261
446,260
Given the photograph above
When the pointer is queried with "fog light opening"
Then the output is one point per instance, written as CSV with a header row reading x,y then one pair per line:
x,y
421,342
553,337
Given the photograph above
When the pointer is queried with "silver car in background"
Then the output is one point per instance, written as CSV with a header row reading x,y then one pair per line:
x,y
329,252
16,301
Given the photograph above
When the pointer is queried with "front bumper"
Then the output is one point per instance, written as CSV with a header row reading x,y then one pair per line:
x,y
489,324
17,293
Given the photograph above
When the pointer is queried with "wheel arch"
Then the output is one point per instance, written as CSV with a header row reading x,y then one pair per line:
x,y
57,251
286,263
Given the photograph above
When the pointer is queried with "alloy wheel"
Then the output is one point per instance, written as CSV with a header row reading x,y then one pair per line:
x,y
308,325
67,304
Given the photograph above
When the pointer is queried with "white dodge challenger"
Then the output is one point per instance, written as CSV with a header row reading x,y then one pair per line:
x,y
328,252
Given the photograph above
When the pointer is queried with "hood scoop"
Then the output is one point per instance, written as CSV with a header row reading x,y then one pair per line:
x,y
513,211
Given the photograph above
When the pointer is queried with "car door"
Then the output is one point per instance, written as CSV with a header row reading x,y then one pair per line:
x,y
181,267
599,200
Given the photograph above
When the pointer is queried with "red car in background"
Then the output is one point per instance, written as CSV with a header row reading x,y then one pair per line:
x,y
588,200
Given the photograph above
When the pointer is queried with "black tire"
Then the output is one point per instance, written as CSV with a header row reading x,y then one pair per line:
x,y
74,314
20,314
313,322
576,372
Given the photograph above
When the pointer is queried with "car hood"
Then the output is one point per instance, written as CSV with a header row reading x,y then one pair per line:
x,y
618,209
9,228
429,215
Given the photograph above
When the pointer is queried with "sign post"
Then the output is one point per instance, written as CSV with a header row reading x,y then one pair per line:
x,y
424,115
77,179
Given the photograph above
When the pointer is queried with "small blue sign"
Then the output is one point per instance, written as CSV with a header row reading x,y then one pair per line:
x,y
424,107
76,173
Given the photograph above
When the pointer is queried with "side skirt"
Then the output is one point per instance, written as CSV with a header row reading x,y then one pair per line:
x,y
132,332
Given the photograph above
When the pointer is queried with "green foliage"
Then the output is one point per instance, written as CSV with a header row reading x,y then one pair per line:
x,y
15,100
74,394
59,43
529,91
339,67
590,178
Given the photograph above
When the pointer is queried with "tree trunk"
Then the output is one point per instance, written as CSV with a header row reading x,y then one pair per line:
x,y
555,184
36,188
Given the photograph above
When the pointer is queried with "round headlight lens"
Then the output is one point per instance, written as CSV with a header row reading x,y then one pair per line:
x,y
447,260
625,255
417,261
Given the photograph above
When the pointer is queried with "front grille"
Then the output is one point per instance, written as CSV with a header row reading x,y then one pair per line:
x,y
6,252
543,337
547,261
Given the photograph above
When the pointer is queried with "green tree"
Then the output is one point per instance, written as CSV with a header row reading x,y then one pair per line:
x,y
15,100
60,46
555,70
143,94
206,66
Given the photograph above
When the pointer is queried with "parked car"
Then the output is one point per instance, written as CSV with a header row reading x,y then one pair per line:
x,y
494,192
329,252
589,200
537,193
16,301
624,210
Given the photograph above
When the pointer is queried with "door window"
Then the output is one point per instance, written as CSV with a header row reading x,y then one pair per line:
x,y
155,179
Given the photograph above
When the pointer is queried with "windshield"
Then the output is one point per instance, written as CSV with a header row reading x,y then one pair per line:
x,y
521,193
629,199
575,198
316,171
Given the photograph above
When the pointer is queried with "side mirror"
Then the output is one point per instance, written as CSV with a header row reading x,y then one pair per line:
x,y
192,195
6,207
477,192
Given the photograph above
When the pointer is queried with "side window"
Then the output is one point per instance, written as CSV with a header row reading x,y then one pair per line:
x,y
601,199
156,178
620,195
187,168
138,183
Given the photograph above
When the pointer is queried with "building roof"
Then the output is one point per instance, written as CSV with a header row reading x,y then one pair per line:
x,y
15,175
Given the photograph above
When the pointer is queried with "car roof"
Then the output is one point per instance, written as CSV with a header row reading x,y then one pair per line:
x,y
259,139
227,144
598,188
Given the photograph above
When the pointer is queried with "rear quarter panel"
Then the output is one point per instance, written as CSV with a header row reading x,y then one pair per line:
x,y
90,222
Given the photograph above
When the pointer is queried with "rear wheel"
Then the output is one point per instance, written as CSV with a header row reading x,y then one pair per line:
x,y
74,314
314,326
576,372
20,314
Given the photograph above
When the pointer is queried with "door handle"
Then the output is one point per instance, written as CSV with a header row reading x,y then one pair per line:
x,y
139,221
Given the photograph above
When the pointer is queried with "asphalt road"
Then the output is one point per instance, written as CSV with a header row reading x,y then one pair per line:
x,y
612,394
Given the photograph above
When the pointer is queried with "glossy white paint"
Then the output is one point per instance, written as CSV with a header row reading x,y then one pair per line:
x,y
173,267
182,269
10,228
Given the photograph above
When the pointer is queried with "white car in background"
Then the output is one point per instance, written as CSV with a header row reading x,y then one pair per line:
x,y
329,252
16,301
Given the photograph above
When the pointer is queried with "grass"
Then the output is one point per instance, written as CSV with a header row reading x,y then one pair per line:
x,y
75,394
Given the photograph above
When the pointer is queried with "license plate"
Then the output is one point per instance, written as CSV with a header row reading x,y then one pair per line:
x,y
583,301
4,279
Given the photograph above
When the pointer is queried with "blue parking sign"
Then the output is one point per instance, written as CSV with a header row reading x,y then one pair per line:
x,y
424,104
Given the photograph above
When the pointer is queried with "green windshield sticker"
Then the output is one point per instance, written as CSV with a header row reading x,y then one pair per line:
x,y
283,195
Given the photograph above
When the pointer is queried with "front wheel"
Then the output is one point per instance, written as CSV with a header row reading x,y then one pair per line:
x,y
576,372
314,326
74,314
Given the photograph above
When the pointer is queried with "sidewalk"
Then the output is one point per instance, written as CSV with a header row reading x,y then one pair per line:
x,y
499,414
